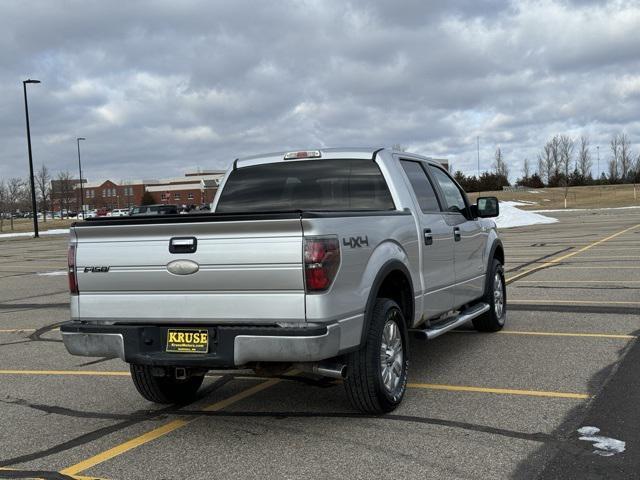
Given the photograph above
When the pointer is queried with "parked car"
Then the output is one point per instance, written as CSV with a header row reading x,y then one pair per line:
x,y
158,209
120,212
320,260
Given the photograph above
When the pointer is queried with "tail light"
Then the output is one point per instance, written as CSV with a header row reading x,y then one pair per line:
x,y
71,272
321,262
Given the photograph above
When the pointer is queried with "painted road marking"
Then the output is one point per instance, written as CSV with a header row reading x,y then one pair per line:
x,y
216,406
163,430
84,373
580,281
17,330
569,266
74,477
554,261
501,391
556,334
572,302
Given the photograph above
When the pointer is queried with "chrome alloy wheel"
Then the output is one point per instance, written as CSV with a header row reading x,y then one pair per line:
x,y
498,295
391,355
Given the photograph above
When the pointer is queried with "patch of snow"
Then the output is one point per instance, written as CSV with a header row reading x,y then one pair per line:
x,y
52,274
55,231
605,446
534,191
588,430
511,216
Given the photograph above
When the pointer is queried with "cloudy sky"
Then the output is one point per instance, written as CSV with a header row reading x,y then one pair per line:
x,y
161,87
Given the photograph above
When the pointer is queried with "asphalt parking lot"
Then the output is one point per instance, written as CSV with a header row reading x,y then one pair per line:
x,y
504,405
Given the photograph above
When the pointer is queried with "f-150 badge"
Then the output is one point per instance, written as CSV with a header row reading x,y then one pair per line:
x,y
356,242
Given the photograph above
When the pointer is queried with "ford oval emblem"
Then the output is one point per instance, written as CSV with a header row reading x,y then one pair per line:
x,y
182,267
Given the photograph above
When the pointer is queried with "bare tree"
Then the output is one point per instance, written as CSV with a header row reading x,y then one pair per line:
x,y
625,156
15,193
63,190
613,161
3,202
584,158
43,189
546,163
565,150
554,156
541,170
499,165
525,168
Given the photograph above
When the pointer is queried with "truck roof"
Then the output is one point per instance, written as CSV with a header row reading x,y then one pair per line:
x,y
326,153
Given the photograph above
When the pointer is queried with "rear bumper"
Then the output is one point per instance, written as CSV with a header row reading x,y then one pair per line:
x,y
229,346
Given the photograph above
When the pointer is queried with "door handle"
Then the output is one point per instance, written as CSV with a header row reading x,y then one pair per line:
x,y
428,238
183,245
456,234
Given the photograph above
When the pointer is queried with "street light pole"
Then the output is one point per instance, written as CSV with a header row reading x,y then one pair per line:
x,y
80,171
598,149
33,187
478,142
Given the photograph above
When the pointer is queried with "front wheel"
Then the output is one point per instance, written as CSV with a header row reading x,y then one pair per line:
x,y
496,296
167,389
377,372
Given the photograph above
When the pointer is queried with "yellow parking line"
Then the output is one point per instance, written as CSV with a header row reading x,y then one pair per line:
x,y
17,330
580,281
163,430
500,391
568,255
97,373
75,477
567,334
556,334
567,267
573,302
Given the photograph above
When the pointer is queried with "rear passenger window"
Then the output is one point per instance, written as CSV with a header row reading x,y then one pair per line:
x,y
421,186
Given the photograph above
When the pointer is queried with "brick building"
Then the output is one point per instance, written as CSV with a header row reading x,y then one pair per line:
x,y
192,189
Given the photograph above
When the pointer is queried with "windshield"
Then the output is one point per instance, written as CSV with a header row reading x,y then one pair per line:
x,y
335,185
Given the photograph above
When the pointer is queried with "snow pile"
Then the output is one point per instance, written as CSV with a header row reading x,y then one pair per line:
x,y
511,216
55,231
605,446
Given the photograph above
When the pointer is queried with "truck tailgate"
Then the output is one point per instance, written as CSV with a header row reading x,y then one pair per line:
x,y
248,271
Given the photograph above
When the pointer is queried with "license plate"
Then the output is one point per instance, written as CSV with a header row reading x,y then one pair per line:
x,y
187,340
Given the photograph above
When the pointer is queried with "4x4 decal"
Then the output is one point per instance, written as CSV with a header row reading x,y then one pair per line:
x,y
355,242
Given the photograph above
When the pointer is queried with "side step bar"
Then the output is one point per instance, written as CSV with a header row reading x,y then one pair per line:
x,y
460,319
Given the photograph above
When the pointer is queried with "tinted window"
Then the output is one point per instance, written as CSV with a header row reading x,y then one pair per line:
x,y
451,192
421,186
306,185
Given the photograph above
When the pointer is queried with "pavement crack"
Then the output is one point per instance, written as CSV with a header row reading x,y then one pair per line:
x,y
136,417
44,474
536,437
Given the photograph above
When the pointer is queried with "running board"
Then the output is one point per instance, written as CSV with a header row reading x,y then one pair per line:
x,y
460,319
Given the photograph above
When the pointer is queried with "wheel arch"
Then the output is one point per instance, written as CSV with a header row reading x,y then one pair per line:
x,y
392,281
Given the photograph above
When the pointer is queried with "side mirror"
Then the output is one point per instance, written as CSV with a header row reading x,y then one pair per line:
x,y
487,207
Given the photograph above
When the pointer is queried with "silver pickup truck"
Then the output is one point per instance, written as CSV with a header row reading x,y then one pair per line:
x,y
323,260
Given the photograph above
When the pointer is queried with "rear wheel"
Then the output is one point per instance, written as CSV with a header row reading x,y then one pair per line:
x,y
165,389
377,372
496,296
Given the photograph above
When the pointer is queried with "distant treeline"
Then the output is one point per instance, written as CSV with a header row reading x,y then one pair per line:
x,y
562,162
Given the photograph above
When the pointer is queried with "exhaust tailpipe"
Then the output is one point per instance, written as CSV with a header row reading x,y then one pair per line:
x,y
332,370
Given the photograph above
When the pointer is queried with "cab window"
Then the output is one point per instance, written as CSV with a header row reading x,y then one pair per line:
x,y
421,185
452,194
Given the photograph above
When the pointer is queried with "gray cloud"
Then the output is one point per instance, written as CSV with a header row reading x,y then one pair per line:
x,y
161,87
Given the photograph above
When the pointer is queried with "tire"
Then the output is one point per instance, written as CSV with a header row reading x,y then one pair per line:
x,y
165,389
496,296
365,384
